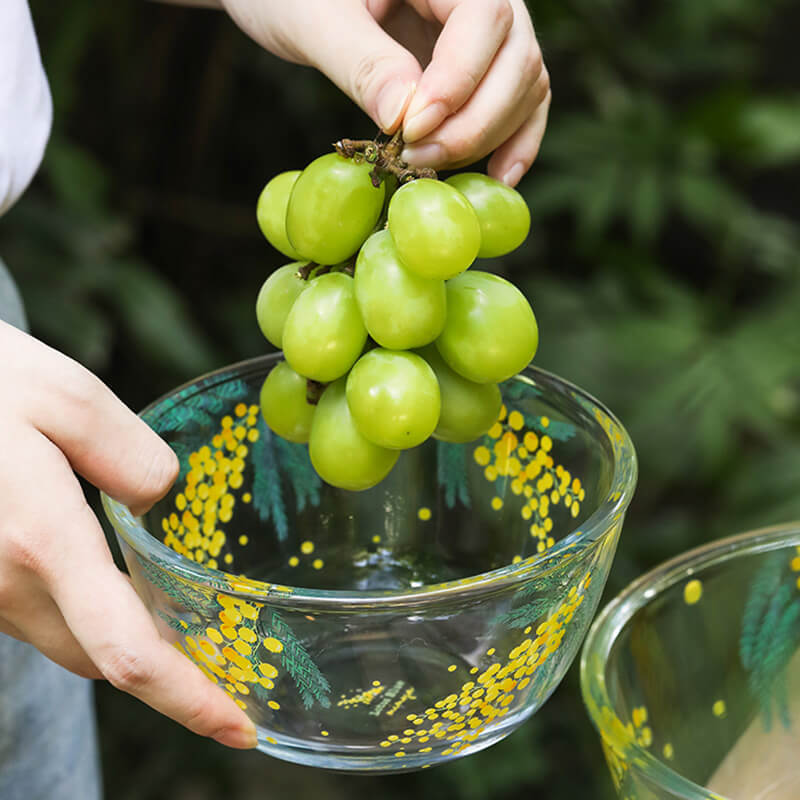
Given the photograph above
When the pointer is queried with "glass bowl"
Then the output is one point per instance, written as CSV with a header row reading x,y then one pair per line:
x,y
692,674
394,628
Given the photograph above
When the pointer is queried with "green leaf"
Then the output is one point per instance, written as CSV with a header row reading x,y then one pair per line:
x,y
770,130
156,317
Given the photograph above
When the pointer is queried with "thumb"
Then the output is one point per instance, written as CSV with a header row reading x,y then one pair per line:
x,y
363,61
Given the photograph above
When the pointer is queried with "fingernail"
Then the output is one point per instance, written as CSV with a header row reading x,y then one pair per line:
x,y
392,102
425,121
240,738
425,155
514,175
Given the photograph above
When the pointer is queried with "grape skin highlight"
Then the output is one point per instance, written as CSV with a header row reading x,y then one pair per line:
x,y
275,300
394,398
324,333
435,229
502,212
283,404
491,332
271,212
401,310
332,209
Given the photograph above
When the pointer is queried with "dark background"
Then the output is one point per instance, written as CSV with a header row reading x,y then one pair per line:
x,y
663,266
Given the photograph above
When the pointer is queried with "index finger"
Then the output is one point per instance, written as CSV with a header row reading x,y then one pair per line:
x,y
472,34
115,630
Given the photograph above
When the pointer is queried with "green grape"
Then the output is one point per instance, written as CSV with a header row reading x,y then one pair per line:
x,y
491,332
394,398
340,454
400,309
275,300
332,209
283,403
502,212
434,228
469,409
271,212
324,333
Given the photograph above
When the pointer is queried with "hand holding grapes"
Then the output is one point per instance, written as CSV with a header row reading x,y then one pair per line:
x,y
464,78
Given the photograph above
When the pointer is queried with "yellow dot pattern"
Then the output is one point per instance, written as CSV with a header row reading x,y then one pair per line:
x,y
424,514
524,457
195,529
616,737
719,709
458,719
795,565
307,548
692,592
227,652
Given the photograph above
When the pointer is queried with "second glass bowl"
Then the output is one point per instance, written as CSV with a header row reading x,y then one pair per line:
x,y
692,674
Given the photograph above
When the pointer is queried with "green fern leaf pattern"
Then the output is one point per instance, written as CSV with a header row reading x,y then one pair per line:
x,y
186,628
189,596
193,410
544,584
310,682
267,495
764,585
524,615
770,636
260,693
296,466
451,472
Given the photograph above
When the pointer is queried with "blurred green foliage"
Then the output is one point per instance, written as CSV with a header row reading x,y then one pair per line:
x,y
664,267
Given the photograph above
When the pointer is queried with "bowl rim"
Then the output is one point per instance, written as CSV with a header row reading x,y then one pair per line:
x,y
612,620
594,528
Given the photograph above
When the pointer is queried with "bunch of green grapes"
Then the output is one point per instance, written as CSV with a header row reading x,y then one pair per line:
x,y
388,336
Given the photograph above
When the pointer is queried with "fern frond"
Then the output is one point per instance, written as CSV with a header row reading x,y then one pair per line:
x,y
763,586
187,628
267,495
295,464
310,682
524,615
451,473
181,591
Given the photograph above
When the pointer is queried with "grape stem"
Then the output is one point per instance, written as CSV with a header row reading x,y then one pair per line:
x,y
385,155
313,270
314,390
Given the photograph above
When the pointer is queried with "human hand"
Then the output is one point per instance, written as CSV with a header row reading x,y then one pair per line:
x,y
59,588
484,87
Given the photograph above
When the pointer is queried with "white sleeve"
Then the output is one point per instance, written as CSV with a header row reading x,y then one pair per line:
x,y
26,109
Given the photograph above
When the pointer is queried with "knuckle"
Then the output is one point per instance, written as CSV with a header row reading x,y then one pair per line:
x,y
125,670
373,70
503,15
24,552
532,65
196,719
78,386
543,84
